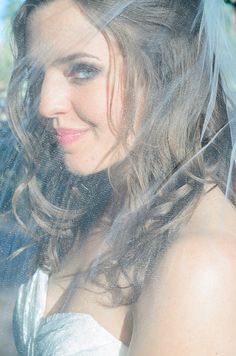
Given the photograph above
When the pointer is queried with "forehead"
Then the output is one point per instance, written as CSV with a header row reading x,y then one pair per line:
x,y
60,28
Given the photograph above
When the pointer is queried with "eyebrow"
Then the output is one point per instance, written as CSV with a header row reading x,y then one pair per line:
x,y
72,57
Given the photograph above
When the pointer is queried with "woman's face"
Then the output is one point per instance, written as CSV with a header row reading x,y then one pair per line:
x,y
76,90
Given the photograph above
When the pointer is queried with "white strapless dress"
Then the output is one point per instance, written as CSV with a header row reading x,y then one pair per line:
x,y
63,334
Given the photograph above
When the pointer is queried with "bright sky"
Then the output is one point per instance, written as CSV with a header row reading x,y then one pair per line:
x,y
2,5
2,30
2,8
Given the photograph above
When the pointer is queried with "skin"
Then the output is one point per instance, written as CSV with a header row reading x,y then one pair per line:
x,y
193,290
189,308
76,93
70,98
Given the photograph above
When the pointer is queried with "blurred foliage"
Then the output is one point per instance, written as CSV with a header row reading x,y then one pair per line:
x,y
6,65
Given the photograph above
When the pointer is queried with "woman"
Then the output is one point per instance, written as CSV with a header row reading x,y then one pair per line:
x,y
120,109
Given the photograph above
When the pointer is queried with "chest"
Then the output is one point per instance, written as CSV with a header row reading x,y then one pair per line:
x,y
67,294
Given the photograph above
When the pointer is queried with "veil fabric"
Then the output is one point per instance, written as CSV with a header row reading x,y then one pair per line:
x,y
44,206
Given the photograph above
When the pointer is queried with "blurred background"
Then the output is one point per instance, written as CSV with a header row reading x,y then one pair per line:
x,y
7,10
14,272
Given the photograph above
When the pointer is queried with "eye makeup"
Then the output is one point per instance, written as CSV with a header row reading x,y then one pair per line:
x,y
82,71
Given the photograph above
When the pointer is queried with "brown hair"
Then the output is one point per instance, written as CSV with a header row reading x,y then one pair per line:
x,y
156,188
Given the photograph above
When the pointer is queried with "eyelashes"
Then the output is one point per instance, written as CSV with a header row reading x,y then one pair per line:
x,y
82,72
78,73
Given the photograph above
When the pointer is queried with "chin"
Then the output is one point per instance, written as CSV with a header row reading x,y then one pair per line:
x,y
86,167
78,170
82,169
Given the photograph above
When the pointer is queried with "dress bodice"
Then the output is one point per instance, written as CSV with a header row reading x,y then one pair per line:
x,y
62,334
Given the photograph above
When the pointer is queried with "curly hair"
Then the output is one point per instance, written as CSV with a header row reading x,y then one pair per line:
x,y
153,192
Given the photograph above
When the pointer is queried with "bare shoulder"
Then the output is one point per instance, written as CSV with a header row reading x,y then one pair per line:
x,y
207,245
214,214
188,307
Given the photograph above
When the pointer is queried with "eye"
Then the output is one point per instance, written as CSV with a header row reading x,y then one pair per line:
x,y
82,71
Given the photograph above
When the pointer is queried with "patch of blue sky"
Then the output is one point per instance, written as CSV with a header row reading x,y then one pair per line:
x,y
2,7
2,26
3,31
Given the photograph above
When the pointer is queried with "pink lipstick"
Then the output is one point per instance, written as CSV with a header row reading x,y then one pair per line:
x,y
67,136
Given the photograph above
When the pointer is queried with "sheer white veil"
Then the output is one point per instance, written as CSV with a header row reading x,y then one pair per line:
x,y
44,207
222,50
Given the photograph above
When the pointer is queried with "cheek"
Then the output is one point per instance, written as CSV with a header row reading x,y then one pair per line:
x,y
91,103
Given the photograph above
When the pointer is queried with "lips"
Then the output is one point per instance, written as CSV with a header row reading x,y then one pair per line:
x,y
67,136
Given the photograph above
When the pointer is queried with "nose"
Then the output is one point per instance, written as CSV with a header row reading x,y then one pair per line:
x,y
55,94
